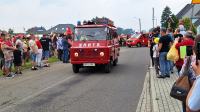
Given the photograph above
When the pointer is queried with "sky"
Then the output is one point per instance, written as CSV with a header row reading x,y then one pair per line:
x,y
24,14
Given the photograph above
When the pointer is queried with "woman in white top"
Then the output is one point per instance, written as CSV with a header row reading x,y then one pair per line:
x,y
193,98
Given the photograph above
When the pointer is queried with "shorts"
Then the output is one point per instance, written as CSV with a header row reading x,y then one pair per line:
x,y
33,57
8,64
46,54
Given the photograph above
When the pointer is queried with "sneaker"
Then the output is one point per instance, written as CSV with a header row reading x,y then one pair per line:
x,y
161,76
168,76
10,76
34,68
46,65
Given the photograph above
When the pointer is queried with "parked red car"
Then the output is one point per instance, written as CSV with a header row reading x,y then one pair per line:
x,y
138,40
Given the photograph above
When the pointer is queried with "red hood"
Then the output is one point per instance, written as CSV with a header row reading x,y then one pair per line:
x,y
132,39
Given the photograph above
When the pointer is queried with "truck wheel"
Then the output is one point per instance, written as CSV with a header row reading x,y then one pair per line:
x,y
75,68
108,68
115,62
138,45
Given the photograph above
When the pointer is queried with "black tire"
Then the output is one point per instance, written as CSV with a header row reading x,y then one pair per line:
x,y
75,68
107,68
138,45
115,62
129,45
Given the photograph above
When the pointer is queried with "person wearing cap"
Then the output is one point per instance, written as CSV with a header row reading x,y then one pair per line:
x,y
156,55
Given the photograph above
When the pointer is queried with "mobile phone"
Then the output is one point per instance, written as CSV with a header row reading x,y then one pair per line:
x,y
198,51
189,50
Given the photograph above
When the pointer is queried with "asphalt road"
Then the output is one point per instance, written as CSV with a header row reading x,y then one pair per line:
x,y
58,89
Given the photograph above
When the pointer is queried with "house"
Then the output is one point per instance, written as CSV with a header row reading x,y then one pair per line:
x,y
61,28
191,11
187,12
37,31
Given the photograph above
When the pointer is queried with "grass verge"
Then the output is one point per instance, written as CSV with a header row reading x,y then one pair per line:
x,y
28,64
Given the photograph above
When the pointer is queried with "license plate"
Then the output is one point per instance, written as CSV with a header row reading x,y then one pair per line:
x,y
88,64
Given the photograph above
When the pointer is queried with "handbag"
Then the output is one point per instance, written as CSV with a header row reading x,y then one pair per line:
x,y
173,55
182,85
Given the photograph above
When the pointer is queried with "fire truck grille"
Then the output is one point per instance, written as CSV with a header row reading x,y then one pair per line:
x,y
89,54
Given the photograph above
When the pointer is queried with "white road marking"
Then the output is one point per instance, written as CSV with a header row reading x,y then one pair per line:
x,y
35,94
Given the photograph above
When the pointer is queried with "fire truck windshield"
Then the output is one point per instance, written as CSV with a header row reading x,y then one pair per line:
x,y
83,34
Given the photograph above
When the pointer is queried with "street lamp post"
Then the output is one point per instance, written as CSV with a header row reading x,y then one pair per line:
x,y
140,26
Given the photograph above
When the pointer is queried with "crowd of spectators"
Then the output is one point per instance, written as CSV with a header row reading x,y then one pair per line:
x,y
161,42
16,51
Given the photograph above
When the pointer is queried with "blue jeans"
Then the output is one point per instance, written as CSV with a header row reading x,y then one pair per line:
x,y
164,64
65,55
171,66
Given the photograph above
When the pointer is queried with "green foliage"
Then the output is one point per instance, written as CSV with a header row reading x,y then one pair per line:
x,y
165,15
119,30
28,64
187,25
124,31
10,31
103,20
174,25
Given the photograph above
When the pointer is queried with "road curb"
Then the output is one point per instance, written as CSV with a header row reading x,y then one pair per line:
x,y
153,91
145,102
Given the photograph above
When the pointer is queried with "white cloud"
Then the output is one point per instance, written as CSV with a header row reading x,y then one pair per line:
x,y
27,13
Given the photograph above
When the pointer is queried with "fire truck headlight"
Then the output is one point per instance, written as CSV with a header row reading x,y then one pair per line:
x,y
102,54
76,54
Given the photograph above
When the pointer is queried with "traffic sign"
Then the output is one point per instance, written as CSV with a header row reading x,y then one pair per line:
x,y
195,1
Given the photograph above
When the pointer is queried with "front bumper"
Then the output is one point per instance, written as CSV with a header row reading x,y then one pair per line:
x,y
98,62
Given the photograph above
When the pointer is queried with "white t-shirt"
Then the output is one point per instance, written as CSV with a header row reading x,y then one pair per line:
x,y
33,46
155,51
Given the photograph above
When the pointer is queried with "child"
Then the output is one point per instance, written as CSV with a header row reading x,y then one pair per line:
x,y
156,55
18,60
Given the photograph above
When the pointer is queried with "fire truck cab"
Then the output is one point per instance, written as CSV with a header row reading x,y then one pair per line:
x,y
94,45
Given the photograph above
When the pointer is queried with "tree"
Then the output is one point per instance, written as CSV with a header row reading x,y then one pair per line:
x,y
10,31
165,15
128,31
187,24
174,25
120,30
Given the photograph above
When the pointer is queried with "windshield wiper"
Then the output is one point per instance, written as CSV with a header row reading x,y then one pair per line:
x,y
90,35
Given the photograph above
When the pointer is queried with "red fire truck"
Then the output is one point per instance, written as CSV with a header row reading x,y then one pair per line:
x,y
94,45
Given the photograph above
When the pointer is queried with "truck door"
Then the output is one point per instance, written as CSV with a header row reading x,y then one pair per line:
x,y
116,44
